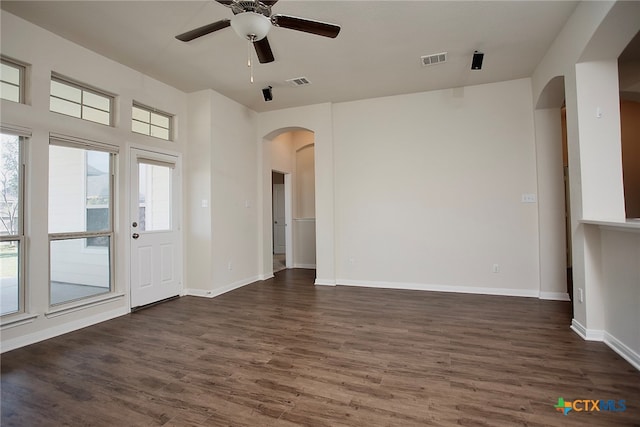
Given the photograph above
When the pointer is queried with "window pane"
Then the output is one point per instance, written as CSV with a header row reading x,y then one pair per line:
x,y
64,91
9,92
140,127
159,132
97,116
140,114
64,107
77,273
96,101
158,120
10,74
9,277
155,197
77,178
9,184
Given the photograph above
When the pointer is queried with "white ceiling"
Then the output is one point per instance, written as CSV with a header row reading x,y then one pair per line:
x,y
376,54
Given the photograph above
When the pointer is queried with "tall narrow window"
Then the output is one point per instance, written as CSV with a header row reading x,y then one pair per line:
x,y
11,80
79,101
80,222
11,224
149,121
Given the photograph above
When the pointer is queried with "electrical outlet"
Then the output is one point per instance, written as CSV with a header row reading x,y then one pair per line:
x,y
528,198
229,266
496,268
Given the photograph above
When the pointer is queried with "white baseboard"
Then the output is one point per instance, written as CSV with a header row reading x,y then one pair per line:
x,y
324,282
265,276
612,342
555,296
441,288
212,293
307,266
623,350
55,331
586,334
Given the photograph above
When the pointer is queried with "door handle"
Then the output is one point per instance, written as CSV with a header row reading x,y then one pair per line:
x,y
135,235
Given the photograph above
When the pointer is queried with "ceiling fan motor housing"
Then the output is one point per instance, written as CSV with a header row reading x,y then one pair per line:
x,y
250,6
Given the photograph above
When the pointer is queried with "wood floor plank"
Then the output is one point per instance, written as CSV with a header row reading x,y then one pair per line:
x,y
284,352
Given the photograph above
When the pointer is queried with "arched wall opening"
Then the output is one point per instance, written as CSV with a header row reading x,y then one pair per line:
x,y
319,120
553,193
289,205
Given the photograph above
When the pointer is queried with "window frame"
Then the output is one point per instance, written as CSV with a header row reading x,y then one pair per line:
x,y
20,237
73,235
151,110
22,71
83,88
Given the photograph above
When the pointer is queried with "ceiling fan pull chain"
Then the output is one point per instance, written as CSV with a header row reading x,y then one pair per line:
x,y
249,62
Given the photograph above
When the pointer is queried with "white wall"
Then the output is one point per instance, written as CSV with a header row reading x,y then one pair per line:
x,y
46,52
428,190
621,299
305,183
222,156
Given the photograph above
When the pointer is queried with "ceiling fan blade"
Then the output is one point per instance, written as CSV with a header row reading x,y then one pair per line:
x,y
308,26
225,2
269,2
263,50
204,30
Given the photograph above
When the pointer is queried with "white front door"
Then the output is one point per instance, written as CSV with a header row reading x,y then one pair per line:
x,y
156,250
279,221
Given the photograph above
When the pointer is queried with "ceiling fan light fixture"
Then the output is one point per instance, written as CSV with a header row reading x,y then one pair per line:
x,y
250,25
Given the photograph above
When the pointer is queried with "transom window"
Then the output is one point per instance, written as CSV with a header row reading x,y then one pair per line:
x,y
11,80
149,121
79,101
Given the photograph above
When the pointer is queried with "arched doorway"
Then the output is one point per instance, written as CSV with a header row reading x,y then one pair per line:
x,y
553,192
289,159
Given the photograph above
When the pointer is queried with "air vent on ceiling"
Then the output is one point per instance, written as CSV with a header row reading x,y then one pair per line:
x,y
299,81
436,58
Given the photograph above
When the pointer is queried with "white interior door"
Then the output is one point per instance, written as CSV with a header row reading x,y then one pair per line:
x,y
156,250
279,220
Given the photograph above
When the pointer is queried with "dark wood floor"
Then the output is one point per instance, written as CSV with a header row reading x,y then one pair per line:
x,y
283,353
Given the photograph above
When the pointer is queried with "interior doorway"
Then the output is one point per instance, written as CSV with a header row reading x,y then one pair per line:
x,y
279,226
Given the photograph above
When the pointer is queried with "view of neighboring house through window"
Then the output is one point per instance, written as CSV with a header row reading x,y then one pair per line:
x,y
154,197
11,225
78,101
80,222
11,80
149,121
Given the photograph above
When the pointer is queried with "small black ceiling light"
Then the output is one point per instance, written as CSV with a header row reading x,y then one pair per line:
x,y
267,93
476,63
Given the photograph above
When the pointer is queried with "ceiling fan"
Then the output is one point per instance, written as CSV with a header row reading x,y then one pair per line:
x,y
252,20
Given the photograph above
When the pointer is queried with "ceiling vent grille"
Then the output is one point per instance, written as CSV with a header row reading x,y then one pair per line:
x,y
299,81
436,58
